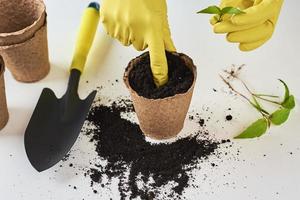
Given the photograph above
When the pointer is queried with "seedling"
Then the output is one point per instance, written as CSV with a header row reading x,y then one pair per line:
x,y
279,117
219,13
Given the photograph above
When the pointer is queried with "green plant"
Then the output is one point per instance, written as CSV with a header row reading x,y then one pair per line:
x,y
280,116
220,12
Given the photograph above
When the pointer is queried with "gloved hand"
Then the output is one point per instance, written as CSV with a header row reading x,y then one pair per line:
x,y
253,28
143,23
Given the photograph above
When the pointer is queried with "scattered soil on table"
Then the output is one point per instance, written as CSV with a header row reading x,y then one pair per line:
x,y
143,168
229,117
180,78
123,156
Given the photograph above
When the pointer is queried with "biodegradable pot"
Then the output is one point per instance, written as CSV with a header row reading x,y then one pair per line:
x,y
28,61
3,105
161,118
20,20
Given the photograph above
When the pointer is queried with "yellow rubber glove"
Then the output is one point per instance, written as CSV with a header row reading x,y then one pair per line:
x,y
143,23
252,29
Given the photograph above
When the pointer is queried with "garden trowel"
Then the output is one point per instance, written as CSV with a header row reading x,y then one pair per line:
x,y
56,123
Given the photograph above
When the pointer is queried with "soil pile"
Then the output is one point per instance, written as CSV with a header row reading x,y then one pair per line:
x,y
142,168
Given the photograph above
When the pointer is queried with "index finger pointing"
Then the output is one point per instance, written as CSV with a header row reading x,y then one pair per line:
x,y
158,60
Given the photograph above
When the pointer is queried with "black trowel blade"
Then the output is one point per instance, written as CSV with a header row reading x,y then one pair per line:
x,y
54,127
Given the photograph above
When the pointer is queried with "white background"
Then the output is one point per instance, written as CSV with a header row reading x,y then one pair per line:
x,y
275,176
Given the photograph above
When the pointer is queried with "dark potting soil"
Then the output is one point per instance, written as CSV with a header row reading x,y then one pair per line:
x,y
229,117
180,78
142,168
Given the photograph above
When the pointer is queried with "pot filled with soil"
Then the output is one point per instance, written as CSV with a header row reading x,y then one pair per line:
x,y
161,110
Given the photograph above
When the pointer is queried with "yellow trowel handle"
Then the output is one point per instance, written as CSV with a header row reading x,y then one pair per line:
x,y
86,36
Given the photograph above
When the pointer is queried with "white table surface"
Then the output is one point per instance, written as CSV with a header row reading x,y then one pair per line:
x,y
275,176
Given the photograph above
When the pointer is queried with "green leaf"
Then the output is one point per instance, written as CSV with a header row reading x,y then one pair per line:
x,y
280,116
287,91
211,10
256,129
231,10
289,103
289,100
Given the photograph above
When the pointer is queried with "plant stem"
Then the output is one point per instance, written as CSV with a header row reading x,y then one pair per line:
x,y
263,112
218,18
232,88
264,99
266,95
252,93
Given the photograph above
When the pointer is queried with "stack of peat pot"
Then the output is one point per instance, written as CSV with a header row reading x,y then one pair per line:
x,y
23,44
